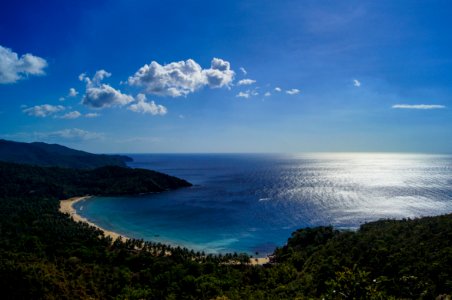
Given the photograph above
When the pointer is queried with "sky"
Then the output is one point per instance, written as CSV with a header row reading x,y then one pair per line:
x,y
228,76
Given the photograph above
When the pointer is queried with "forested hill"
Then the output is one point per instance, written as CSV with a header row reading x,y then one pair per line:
x,y
21,180
43,154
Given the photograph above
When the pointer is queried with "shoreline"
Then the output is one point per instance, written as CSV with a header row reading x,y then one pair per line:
x,y
67,207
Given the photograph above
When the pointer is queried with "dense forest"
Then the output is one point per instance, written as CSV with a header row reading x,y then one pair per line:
x,y
43,154
46,255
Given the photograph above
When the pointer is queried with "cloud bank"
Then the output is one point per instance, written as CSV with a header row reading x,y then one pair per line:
x,y
181,78
13,68
70,134
418,106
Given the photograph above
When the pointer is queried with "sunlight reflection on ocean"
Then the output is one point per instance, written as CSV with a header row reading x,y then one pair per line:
x,y
252,202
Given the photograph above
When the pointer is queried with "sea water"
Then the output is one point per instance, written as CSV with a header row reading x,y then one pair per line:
x,y
253,202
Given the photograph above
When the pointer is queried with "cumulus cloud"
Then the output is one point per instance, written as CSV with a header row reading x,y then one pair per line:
x,y
105,96
72,92
293,91
278,89
145,107
418,106
44,110
71,115
267,94
219,74
356,83
242,69
181,78
13,68
101,95
246,82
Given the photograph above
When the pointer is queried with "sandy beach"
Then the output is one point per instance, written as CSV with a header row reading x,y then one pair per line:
x,y
259,261
66,206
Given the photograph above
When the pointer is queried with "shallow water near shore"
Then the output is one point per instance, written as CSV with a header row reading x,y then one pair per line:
x,y
253,202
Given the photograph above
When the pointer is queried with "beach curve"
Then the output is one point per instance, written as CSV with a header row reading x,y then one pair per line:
x,y
67,207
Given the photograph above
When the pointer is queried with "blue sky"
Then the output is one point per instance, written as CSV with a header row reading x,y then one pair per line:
x,y
228,76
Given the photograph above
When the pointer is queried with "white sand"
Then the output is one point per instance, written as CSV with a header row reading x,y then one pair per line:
x,y
66,206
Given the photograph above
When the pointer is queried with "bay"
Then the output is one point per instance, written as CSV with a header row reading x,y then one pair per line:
x,y
253,202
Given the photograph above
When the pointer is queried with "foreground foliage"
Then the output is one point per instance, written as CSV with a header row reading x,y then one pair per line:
x,y
44,254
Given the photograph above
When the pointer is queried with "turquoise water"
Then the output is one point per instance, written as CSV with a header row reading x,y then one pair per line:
x,y
252,202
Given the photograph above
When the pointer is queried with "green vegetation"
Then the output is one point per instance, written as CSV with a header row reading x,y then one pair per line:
x,y
43,154
46,255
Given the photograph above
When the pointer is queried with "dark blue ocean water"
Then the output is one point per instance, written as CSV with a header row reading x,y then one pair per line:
x,y
252,202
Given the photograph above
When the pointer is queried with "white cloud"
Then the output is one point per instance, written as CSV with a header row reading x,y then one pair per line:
x,y
278,89
99,76
219,74
105,96
247,94
246,82
242,69
92,115
100,95
71,134
267,94
418,106
72,92
13,68
71,115
145,107
293,91
82,76
44,110
181,78
243,95
356,83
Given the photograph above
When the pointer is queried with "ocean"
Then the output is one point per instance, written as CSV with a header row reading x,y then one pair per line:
x,y
253,202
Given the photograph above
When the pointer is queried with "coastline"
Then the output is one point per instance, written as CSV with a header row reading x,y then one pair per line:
x,y
67,207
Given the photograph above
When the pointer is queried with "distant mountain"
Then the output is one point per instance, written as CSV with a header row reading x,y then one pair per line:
x,y
55,155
